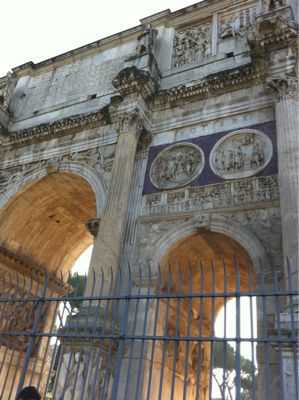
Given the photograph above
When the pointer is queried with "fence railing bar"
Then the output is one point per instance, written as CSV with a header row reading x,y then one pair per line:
x,y
108,313
10,338
121,344
253,368
212,333
111,322
169,286
278,323
40,342
153,343
273,339
60,326
224,346
177,333
11,305
46,354
133,332
161,296
238,332
33,330
88,360
265,333
293,327
198,375
137,395
188,331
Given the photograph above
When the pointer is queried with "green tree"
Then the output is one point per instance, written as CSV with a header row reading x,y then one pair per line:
x,y
224,371
78,283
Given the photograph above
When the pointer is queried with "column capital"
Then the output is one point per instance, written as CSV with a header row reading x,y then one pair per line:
x,y
130,122
285,87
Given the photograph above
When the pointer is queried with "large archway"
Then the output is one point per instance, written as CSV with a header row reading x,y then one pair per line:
x,y
43,230
214,266
44,223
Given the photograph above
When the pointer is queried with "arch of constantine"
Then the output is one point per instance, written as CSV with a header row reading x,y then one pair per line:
x,y
172,143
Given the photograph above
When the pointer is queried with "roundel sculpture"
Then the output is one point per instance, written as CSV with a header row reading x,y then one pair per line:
x,y
177,166
241,154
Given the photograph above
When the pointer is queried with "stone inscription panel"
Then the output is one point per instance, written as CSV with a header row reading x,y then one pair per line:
x,y
177,166
88,76
261,157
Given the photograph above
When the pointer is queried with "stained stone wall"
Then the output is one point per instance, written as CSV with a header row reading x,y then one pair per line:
x,y
175,127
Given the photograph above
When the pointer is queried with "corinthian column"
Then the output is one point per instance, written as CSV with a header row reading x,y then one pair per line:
x,y
286,110
109,240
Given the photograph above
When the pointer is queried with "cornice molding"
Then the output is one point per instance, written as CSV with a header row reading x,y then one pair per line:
x,y
132,80
15,264
210,86
56,129
214,84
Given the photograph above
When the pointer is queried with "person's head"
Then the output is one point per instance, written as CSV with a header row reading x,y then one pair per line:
x,y
29,393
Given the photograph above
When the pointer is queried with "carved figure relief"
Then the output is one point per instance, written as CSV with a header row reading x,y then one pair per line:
x,y
228,194
177,166
146,40
99,158
192,45
6,89
241,154
270,5
237,25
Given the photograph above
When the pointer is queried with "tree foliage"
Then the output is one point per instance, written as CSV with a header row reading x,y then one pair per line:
x,y
224,371
78,283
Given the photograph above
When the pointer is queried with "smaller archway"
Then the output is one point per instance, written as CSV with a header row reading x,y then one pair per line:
x,y
210,267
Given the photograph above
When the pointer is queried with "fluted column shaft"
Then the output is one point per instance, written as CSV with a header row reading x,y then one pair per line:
x,y
108,243
286,110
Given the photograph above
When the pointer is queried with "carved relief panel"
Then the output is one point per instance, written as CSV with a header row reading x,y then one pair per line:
x,y
192,44
177,166
236,23
241,154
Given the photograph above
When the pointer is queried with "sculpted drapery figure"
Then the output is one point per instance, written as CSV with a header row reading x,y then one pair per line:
x,y
146,40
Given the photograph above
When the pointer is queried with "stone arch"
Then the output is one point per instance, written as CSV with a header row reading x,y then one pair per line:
x,y
185,252
83,170
43,219
218,224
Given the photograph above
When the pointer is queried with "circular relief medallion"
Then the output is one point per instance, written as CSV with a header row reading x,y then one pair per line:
x,y
177,166
241,154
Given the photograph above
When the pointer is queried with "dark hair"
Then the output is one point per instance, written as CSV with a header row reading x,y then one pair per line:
x,y
29,393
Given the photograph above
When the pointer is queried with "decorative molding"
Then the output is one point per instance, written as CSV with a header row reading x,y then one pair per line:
x,y
241,154
65,126
130,122
11,262
245,192
214,84
133,80
285,87
93,165
177,166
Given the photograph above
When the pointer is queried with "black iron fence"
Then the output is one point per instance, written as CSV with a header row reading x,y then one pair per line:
x,y
217,330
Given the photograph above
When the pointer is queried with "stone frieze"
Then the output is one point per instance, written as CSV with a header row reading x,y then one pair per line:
x,y
233,194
